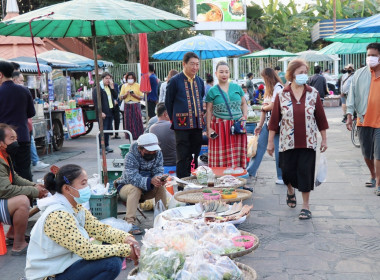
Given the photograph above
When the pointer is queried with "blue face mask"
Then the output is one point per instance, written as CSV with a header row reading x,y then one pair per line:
x,y
301,79
84,195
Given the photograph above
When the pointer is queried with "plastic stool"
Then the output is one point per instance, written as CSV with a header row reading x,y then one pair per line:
x,y
3,245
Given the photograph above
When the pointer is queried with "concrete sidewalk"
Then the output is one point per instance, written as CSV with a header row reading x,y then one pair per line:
x,y
340,242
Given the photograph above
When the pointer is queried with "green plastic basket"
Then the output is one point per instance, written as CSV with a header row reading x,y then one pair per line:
x,y
91,115
124,149
104,206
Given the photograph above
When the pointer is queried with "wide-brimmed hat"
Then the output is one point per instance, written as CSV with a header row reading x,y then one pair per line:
x,y
149,141
349,66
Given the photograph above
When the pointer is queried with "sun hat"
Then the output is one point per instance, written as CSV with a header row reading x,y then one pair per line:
x,y
349,66
149,141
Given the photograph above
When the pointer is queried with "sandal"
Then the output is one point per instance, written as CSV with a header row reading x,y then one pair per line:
x,y
9,241
377,191
291,203
304,214
21,252
371,183
135,230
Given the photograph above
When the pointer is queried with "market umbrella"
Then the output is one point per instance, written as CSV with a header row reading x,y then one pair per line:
x,y
269,53
355,38
92,18
144,63
204,46
53,63
310,56
344,48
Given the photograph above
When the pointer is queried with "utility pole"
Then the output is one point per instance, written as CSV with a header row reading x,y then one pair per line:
x,y
334,17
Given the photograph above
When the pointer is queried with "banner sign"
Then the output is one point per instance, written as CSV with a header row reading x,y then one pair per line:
x,y
75,122
68,86
51,90
219,14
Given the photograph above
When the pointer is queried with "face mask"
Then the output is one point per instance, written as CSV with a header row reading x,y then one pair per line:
x,y
301,79
131,81
344,71
349,71
149,157
12,148
372,61
84,195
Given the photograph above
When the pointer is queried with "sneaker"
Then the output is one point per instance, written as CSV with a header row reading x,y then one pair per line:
x,y
109,150
344,119
279,182
371,183
377,191
40,166
100,152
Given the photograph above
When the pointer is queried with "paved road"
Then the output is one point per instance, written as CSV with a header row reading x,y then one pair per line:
x,y
341,242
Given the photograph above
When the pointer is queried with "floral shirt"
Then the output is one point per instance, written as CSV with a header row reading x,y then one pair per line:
x,y
61,227
299,121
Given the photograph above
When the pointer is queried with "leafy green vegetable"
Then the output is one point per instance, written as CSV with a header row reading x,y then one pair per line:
x,y
203,8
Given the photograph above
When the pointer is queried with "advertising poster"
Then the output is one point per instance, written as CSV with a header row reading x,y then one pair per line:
x,y
219,14
75,122
51,90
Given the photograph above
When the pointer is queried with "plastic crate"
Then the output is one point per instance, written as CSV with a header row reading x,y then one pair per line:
x,y
113,175
104,206
124,149
91,115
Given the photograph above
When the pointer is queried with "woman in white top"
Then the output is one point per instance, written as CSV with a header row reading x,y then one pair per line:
x,y
171,74
273,86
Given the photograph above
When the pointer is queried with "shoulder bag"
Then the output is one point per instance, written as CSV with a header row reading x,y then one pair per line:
x,y
239,126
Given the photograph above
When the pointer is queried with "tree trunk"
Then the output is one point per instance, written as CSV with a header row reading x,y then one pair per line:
x,y
132,44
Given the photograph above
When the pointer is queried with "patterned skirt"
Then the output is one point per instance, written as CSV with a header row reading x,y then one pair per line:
x,y
226,150
133,120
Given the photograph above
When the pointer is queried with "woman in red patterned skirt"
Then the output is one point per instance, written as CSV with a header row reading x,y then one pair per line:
x,y
225,149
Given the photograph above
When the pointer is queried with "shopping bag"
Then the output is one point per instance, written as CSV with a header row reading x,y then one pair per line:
x,y
252,146
322,170
159,208
122,106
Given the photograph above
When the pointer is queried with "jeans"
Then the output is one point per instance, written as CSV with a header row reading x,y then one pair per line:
x,y
188,143
33,151
102,269
21,161
255,162
107,125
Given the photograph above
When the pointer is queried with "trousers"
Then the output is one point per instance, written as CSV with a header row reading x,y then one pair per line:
x,y
21,161
107,125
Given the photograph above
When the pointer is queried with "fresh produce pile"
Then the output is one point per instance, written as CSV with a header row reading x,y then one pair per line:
x,y
183,251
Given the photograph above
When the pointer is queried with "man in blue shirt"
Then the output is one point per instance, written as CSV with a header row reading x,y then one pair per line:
x,y
16,106
153,95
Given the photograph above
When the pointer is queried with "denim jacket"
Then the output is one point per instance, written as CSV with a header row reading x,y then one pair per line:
x,y
357,99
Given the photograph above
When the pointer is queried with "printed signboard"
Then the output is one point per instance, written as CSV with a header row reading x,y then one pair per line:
x,y
219,14
74,121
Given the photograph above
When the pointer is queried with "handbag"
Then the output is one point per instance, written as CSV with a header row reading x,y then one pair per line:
x,y
239,126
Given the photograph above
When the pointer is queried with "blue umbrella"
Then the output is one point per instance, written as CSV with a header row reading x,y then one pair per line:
x,y
367,25
204,46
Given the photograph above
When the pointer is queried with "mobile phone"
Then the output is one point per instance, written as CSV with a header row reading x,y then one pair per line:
x,y
214,135
131,91
164,177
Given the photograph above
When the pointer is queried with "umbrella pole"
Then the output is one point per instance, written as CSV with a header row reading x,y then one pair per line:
x,y
98,97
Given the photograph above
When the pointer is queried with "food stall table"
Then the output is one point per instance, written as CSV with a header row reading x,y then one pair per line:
x,y
195,196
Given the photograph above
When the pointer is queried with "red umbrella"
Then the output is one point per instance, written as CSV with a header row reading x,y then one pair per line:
x,y
144,62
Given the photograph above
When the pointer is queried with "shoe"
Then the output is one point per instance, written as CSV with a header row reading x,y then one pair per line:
x,y
377,191
109,150
135,230
289,200
21,252
371,183
100,152
344,119
40,166
304,214
279,182
116,137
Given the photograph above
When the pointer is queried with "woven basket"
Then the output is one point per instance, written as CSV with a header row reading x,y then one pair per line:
x,y
248,272
195,196
193,179
247,251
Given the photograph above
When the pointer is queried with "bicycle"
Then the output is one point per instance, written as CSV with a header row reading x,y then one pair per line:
x,y
355,134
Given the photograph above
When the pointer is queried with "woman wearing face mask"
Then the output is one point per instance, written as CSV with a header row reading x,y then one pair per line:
x,y
131,95
60,243
225,104
300,111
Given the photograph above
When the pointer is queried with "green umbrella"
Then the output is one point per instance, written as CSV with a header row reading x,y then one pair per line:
x,y
355,38
91,18
269,53
344,48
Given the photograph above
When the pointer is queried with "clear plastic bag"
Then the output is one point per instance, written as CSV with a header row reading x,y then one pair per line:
x,y
322,170
118,224
159,208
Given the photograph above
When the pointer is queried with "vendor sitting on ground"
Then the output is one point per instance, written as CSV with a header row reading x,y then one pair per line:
x,y
14,193
141,178
60,244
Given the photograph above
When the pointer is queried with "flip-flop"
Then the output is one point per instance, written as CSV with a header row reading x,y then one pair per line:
x,y
135,230
289,200
9,241
304,214
21,252
371,183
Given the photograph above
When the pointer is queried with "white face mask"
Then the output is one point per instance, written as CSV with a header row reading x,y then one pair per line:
x,y
372,61
131,81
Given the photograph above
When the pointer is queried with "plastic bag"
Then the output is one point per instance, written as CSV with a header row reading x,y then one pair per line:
x,y
252,146
322,170
118,224
173,203
159,208
202,174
